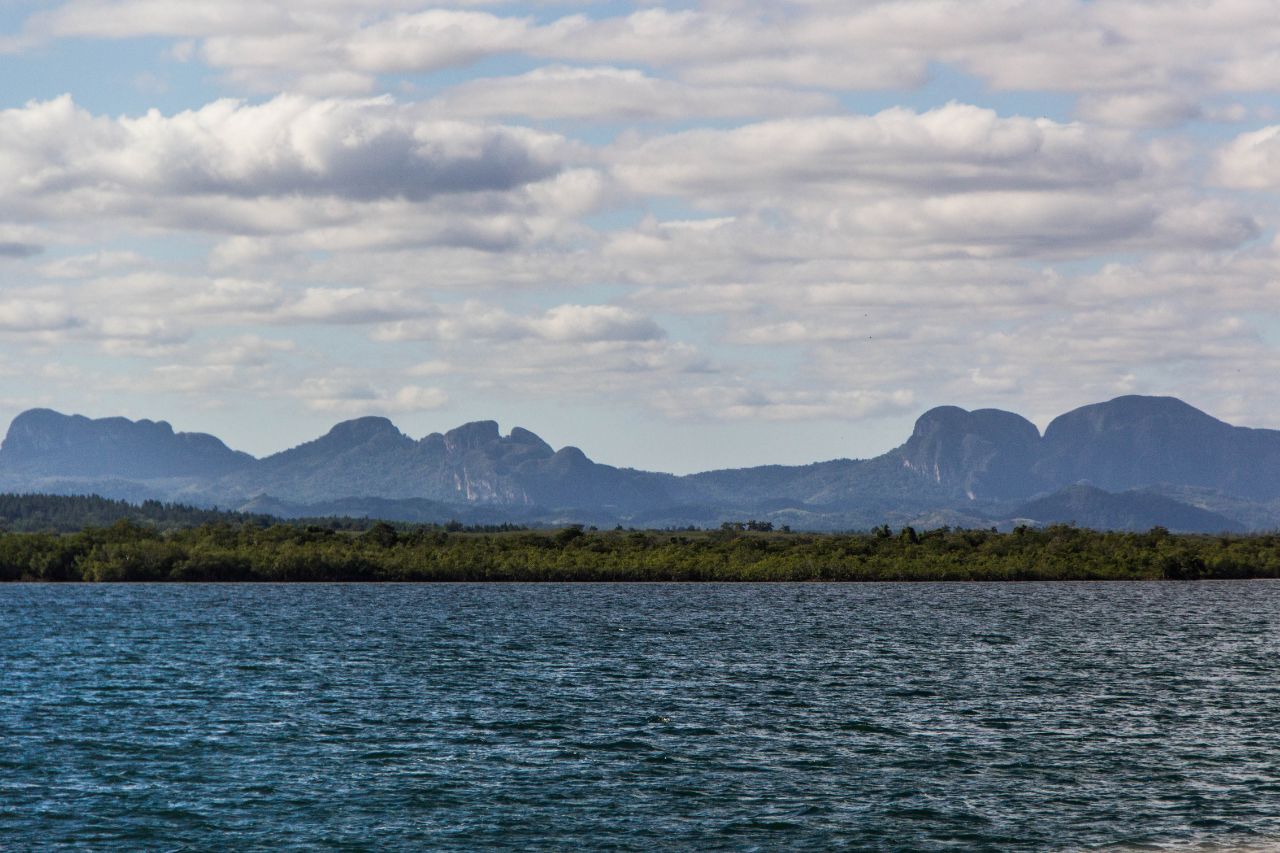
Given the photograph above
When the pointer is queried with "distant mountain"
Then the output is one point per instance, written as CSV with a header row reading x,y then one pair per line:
x,y
1086,506
987,452
471,465
44,443
1253,515
1132,442
1123,464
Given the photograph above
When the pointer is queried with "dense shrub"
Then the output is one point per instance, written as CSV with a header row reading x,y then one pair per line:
x,y
226,552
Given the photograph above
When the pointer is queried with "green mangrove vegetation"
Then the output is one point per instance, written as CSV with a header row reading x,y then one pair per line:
x,y
129,551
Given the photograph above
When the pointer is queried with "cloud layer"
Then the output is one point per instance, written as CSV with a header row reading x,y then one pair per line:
x,y
795,212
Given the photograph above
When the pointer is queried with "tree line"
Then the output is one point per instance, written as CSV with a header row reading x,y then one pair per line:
x,y
223,551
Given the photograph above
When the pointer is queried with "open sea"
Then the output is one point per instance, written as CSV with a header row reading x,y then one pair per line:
x,y
1063,716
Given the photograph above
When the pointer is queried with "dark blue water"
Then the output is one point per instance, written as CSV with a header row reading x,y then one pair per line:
x,y
644,717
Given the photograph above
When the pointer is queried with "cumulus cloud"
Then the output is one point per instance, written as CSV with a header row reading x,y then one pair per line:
x,y
291,176
353,395
735,402
435,367
198,380
114,19
586,353
437,38
562,324
133,336
604,372
954,148
595,323
1086,46
247,350
1251,160
953,180
605,94
92,264
721,234
156,315
348,305
355,149
1139,109
32,315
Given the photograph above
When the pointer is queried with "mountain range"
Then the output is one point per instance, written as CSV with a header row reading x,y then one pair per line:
x,y
1130,463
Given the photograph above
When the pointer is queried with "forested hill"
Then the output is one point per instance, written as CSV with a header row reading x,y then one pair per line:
x,y
34,513
70,513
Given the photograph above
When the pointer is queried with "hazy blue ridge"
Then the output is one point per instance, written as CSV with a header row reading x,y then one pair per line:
x,y
1129,463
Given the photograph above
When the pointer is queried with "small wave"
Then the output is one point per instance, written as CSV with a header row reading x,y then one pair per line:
x,y
871,729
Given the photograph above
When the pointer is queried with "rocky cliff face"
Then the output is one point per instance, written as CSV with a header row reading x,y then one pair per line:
x,y
472,464
1127,443
986,454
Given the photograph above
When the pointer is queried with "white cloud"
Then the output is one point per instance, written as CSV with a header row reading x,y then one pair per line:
x,y
292,175
32,315
93,264
134,336
953,148
1086,46
475,322
415,398
605,94
351,395
745,402
361,149
349,305
435,367
1135,62
1139,109
247,351
438,38
578,352
56,157
722,237
131,18
1251,160
595,323
953,180
199,380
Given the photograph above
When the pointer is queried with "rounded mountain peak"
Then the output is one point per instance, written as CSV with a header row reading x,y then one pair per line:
x,y
1127,412
995,424
986,453
73,445
33,417
1134,441
472,435
361,430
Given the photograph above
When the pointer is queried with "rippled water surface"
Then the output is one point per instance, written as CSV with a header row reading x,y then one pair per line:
x,y
646,717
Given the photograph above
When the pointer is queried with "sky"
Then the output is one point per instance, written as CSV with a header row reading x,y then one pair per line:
x,y
679,235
